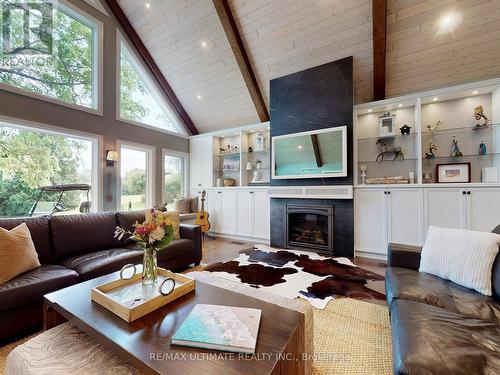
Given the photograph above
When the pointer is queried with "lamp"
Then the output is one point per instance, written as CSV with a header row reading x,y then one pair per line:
x,y
111,158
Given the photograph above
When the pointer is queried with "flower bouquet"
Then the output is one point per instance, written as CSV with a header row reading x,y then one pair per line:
x,y
153,235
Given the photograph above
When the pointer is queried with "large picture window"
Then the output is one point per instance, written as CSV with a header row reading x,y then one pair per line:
x,y
174,184
136,177
33,158
49,49
140,101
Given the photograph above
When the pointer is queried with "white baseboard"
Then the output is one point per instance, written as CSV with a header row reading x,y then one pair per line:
x,y
366,254
245,239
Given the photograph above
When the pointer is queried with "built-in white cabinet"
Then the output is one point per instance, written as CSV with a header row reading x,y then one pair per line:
x,y
253,213
466,208
261,214
387,215
200,161
223,211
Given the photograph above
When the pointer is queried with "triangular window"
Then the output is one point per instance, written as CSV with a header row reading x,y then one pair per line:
x,y
140,100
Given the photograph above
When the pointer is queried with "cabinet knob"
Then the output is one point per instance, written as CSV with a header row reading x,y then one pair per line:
x,y
468,193
251,192
464,192
388,192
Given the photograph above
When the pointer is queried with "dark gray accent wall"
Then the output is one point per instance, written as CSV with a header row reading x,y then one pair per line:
x,y
343,227
36,110
316,98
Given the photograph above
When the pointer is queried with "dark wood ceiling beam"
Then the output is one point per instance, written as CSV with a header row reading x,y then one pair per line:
x,y
151,64
379,19
234,38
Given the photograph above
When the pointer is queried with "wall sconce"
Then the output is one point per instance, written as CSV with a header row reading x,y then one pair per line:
x,y
111,158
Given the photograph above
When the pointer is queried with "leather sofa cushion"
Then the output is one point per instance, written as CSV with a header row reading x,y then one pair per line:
x,y
102,262
127,219
430,340
31,286
73,235
402,283
40,234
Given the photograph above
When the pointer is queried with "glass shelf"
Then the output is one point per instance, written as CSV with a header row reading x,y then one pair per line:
x,y
228,171
257,151
228,154
388,161
397,136
464,156
460,129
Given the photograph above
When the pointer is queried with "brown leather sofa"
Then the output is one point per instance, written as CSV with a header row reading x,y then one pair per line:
x,y
75,248
439,327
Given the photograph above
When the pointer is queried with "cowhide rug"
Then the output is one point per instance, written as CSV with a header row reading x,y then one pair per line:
x,y
293,274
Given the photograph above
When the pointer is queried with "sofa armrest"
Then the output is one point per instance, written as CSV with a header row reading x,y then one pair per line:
x,y
405,256
192,232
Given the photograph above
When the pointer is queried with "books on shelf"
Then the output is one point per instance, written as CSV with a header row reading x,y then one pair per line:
x,y
217,327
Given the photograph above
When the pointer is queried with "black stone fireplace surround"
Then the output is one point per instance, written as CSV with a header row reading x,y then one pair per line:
x,y
338,214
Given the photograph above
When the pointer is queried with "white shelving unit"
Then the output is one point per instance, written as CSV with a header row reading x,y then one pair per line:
x,y
401,213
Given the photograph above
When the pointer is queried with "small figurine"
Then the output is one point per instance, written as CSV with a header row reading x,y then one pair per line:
x,y
479,114
430,154
250,149
482,148
455,150
405,129
433,126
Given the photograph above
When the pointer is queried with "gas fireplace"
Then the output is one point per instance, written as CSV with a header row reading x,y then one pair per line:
x,y
309,227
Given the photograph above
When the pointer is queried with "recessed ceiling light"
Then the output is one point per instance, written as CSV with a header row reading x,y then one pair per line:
x,y
370,110
475,92
148,6
203,44
198,96
400,105
251,131
435,99
300,147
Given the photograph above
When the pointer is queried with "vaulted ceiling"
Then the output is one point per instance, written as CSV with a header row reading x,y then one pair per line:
x,y
188,43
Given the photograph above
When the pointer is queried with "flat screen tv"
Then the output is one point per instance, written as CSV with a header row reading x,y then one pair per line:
x,y
313,154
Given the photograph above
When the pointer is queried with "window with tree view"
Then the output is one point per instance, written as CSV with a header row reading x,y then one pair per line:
x,y
140,100
49,49
173,179
31,159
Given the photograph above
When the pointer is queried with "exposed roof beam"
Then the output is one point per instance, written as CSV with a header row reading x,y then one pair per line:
x,y
234,38
151,64
317,152
379,19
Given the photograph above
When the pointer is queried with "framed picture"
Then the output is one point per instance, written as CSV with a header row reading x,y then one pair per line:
x,y
453,173
387,125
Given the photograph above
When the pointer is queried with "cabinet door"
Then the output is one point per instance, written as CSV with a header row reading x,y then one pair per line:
x,y
261,214
207,161
405,216
195,158
483,209
214,204
245,213
227,219
445,208
371,221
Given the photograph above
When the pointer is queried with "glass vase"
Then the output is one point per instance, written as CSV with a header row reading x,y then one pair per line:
x,y
149,267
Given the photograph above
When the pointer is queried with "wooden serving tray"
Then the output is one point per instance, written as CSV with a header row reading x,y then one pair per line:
x,y
130,300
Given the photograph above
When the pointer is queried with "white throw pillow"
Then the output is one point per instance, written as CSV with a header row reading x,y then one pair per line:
x,y
462,256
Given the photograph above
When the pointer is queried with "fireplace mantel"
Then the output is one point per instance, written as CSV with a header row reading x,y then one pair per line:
x,y
312,192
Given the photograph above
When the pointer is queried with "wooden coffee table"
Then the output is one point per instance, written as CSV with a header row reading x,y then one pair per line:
x,y
145,343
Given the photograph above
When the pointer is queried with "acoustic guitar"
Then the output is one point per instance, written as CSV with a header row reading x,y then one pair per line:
x,y
202,216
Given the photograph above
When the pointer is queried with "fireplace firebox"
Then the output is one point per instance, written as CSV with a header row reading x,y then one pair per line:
x,y
309,227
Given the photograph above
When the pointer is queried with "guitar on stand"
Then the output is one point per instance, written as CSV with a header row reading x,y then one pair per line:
x,y
202,216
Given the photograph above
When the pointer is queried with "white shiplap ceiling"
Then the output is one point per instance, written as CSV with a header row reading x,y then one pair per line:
x,y
280,37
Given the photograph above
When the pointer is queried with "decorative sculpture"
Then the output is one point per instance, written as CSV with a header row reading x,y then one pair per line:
x,y
433,126
363,168
482,148
430,154
479,114
405,129
385,149
455,150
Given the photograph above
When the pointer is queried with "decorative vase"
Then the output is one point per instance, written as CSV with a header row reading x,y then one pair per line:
x,y
149,267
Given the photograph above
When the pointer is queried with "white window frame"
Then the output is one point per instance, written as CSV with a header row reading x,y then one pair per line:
x,y
97,47
150,172
185,171
96,181
150,84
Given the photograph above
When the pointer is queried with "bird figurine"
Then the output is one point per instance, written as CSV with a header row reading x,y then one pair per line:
x,y
433,126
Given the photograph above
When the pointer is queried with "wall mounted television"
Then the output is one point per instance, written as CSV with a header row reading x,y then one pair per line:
x,y
312,154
